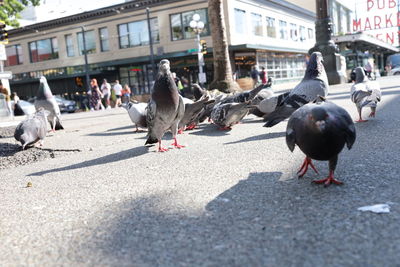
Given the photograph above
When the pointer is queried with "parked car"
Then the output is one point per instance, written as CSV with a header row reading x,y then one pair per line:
x,y
27,107
393,65
64,104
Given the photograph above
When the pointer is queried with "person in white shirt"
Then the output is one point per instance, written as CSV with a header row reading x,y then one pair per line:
x,y
118,93
106,91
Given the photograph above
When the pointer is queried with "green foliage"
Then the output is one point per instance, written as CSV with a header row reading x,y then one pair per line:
x,y
10,9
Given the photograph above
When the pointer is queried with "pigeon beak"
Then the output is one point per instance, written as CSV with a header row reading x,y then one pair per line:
x,y
320,125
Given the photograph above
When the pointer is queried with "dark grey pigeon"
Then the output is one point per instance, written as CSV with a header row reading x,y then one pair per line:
x,y
313,84
165,108
245,96
320,130
225,115
365,93
192,111
33,129
198,92
47,101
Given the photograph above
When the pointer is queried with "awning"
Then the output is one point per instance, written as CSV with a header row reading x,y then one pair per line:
x,y
365,42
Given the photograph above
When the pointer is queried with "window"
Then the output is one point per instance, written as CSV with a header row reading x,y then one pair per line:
x,y
43,50
256,24
103,33
89,42
283,30
293,31
310,34
137,33
302,33
70,45
240,21
14,55
271,31
180,28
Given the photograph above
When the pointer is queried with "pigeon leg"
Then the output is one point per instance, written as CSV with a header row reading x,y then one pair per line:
x,y
175,144
372,114
360,117
225,128
180,131
160,148
54,125
191,126
304,167
328,180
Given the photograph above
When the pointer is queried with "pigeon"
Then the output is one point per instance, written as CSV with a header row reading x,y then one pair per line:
x,y
320,130
137,112
165,108
33,129
245,96
192,110
365,93
226,115
198,92
313,84
268,103
46,100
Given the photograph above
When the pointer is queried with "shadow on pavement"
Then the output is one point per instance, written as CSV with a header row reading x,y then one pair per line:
x,y
121,128
211,130
7,149
257,222
259,137
111,133
126,154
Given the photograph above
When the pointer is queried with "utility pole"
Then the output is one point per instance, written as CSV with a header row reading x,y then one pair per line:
x,y
325,44
86,59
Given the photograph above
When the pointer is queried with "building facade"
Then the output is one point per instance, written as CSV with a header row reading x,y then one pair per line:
x,y
270,33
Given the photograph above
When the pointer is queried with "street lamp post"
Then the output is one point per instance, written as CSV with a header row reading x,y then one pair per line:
x,y
86,59
153,66
325,44
198,26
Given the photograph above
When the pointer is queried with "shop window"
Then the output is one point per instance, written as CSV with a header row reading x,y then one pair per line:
x,y
256,23
42,50
240,21
14,55
90,42
103,34
283,30
310,34
271,30
137,33
180,28
69,45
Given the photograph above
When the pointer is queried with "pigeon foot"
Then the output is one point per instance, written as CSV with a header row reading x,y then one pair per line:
x,y
328,180
191,126
180,131
372,115
160,148
360,120
226,128
304,167
176,145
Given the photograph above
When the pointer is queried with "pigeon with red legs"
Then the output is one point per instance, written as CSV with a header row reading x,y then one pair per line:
x,y
320,130
192,111
365,93
165,108
313,84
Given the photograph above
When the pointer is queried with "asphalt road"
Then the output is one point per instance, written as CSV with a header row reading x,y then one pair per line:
x,y
227,199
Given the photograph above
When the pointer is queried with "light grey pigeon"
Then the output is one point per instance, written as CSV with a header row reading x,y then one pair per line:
x,y
313,84
320,130
165,108
270,104
192,111
365,93
247,95
46,100
33,129
137,112
225,115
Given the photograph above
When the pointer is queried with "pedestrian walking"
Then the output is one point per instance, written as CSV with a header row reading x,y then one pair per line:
x,y
96,95
118,93
178,84
106,91
6,93
263,75
126,93
255,75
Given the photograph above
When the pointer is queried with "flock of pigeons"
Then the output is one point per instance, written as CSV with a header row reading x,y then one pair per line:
x,y
318,127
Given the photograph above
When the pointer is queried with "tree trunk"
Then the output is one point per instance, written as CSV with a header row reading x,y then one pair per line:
x,y
223,79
